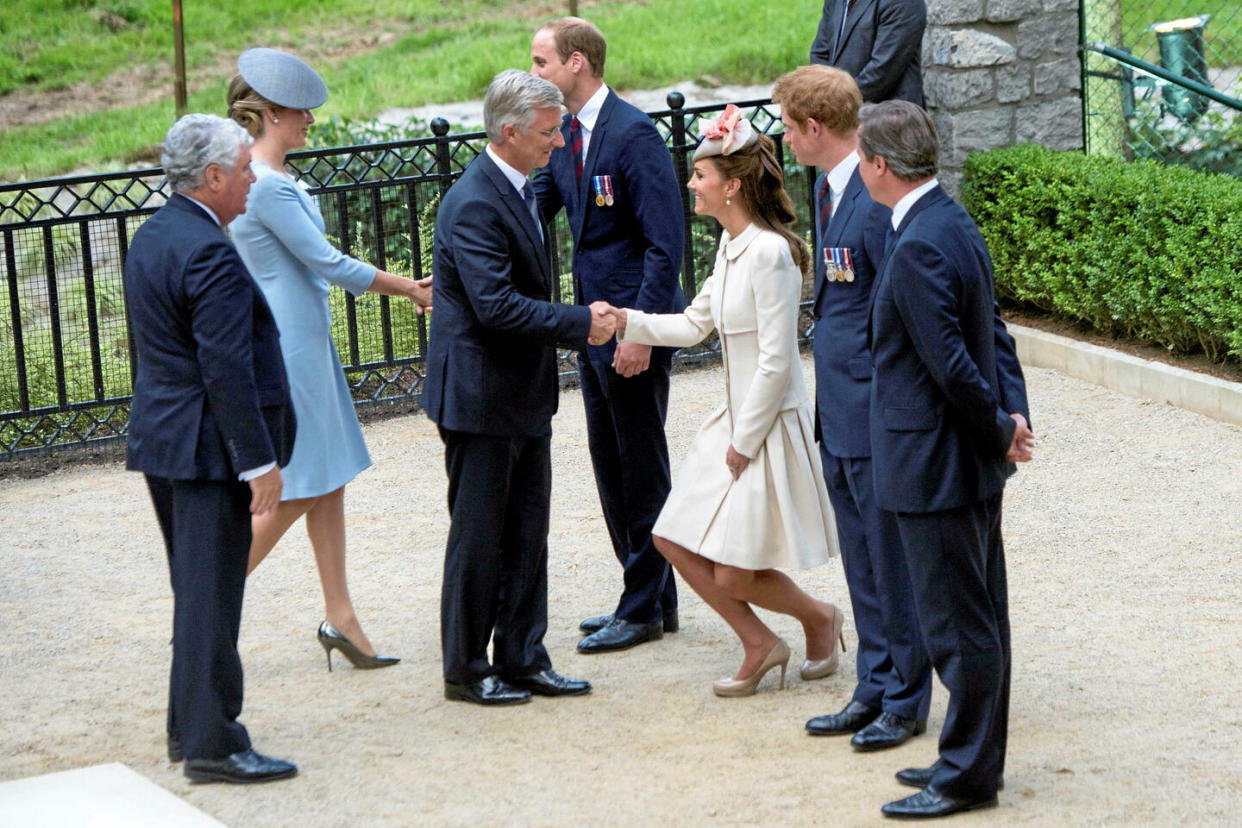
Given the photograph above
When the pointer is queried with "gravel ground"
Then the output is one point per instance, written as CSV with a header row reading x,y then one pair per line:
x,y
1123,539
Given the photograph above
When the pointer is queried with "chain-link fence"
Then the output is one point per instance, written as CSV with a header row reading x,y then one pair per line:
x,y
1162,79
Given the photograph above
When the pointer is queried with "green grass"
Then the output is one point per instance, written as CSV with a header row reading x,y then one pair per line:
x,y
449,53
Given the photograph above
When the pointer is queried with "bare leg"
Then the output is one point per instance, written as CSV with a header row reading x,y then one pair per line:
x,y
757,638
325,525
270,528
774,590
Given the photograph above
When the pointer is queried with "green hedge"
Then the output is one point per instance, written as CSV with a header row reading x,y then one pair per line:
x,y
1133,249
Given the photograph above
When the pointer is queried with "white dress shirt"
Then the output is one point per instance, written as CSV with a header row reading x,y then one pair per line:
x,y
907,201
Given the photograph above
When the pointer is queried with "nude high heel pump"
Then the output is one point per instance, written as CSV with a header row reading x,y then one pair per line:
x,y
827,666
333,639
778,656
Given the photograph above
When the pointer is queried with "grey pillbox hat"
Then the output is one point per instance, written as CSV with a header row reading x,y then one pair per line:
x,y
283,79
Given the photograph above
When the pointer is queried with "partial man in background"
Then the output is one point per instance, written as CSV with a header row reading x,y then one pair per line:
x,y
210,426
492,388
614,178
949,418
819,107
879,42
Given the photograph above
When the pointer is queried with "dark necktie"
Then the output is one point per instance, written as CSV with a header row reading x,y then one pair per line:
x,y
575,144
528,195
823,197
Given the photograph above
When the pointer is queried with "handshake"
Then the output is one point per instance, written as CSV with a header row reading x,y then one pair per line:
x,y
605,322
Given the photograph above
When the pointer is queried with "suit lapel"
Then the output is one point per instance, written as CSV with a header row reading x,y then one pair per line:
x,y
516,206
598,136
855,14
932,196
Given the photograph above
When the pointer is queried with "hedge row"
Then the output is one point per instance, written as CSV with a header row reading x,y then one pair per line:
x,y
1133,249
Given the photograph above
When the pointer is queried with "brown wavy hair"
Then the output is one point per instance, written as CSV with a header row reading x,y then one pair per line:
x,y
763,193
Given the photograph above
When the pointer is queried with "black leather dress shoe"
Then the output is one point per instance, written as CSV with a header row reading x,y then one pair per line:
x,y
489,691
922,777
175,754
598,622
930,804
852,719
620,635
887,731
551,683
241,768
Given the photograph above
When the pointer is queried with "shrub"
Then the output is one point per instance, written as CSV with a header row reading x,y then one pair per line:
x,y
1133,249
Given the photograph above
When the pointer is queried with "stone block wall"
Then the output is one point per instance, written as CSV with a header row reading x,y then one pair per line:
x,y
1001,72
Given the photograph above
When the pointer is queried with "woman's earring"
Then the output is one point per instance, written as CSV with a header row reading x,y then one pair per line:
x,y
728,202
275,120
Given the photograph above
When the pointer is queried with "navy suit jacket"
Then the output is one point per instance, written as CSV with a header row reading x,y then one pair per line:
x,y
210,395
627,253
491,362
842,355
882,46
946,373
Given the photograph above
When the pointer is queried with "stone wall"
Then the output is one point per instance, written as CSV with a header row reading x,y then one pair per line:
x,y
1001,72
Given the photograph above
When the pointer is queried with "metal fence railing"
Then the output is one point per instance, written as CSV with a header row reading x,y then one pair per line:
x,y
66,360
1131,112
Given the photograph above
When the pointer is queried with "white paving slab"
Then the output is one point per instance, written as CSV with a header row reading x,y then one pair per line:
x,y
101,796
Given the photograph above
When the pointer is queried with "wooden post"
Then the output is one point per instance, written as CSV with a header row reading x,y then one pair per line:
x,y
178,59
573,8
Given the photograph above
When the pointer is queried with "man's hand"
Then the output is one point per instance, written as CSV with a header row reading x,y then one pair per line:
x,y
420,294
1023,442
736,461
265,491
603,323
631,359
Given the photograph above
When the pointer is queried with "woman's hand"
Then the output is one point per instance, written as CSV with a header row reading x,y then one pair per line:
x,y
420,295
736,462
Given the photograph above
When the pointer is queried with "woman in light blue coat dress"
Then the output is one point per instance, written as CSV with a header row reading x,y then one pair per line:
x,y
280,238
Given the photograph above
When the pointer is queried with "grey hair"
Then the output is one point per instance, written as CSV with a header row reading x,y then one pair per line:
x,y
196,142
512,98
903,135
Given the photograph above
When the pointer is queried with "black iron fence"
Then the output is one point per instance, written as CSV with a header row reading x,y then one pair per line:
x,y
1162,79
66,359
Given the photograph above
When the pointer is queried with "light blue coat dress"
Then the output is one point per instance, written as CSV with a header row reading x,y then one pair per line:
x,y
280,238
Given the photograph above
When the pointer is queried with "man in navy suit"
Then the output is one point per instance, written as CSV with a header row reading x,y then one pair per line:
x,y
819,107
879,42
210,425
615,179
949,417
492,388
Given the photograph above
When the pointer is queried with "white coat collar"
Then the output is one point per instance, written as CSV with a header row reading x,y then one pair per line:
x,y
733,247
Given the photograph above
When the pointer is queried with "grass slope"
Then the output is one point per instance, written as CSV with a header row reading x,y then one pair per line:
x,y
448,51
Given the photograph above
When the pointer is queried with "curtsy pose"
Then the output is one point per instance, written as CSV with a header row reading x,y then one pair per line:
x,y
281,239
750,496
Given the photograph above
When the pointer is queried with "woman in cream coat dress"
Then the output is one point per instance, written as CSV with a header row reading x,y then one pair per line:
x,y
750,496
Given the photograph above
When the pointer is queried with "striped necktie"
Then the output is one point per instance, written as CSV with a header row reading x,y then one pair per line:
x,y
823,197
528,195
575,144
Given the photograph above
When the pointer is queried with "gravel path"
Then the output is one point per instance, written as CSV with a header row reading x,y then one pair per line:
x,y
1123,545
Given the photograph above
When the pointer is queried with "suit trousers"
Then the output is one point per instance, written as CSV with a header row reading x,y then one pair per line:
x,y
625,432
206,529
957,567
496,564
894,673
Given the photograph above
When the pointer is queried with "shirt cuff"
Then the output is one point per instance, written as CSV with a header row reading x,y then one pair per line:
x,y
251,474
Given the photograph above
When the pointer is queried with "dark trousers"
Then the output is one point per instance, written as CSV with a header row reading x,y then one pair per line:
x,y
625,432
206,528
957,568
894,673
496,564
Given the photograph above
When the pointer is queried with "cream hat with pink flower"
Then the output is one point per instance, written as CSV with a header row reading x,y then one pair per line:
x,y
725,135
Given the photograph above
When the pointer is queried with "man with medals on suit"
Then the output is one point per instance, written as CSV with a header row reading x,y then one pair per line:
x,y
819,107
210,425
949,418
614,178
492,387
879,42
